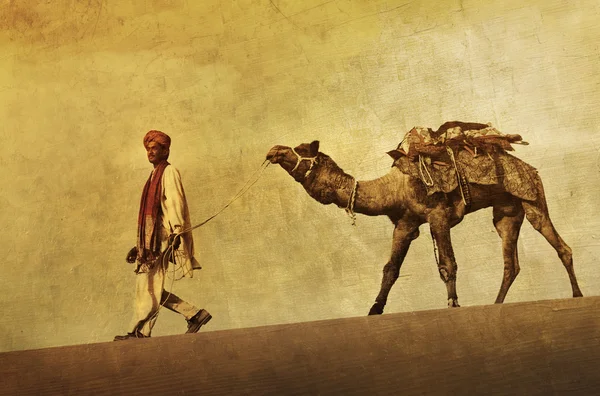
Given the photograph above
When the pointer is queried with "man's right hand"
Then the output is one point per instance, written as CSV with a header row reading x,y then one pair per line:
x,y
132,255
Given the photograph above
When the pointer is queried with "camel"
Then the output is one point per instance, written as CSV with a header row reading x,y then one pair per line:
x,y
404,200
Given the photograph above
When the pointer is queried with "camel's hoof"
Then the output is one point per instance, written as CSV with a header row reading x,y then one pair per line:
x,y
376,309
453,303
577,294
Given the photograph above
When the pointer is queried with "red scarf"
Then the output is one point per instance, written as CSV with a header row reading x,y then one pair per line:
x,y
150,216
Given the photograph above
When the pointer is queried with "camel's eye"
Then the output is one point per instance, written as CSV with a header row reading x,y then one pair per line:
x,y
303,150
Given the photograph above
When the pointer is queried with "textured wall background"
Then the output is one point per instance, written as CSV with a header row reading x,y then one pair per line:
x,y
81,82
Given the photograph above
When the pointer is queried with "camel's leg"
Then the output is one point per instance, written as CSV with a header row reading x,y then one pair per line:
x,y
440,230
508,224
404,234
540,220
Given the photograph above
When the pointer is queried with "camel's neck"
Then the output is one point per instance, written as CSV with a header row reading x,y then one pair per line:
x,y
373,197
381,196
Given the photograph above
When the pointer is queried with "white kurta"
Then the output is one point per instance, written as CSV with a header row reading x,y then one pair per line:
x,y
150,294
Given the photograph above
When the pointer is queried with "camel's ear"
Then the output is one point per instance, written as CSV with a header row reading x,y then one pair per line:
x,y
314,148
395,154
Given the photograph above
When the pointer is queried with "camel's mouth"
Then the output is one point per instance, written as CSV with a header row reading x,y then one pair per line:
x,y
274,155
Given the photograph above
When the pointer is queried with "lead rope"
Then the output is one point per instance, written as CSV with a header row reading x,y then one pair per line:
x,y
237,196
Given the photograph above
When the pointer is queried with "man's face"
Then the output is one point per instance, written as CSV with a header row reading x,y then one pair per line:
x,y
156,153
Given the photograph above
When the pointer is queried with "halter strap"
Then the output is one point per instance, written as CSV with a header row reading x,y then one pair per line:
x,y
301,158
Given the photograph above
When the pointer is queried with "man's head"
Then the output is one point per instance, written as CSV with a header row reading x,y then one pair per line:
x,y
157,146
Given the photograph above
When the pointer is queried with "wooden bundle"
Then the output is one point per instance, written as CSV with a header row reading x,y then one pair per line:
x,y
473,137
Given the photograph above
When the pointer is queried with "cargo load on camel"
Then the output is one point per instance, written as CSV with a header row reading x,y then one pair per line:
x,y
460,153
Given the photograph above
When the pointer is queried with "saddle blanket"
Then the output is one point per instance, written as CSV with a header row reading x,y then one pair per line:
x,y
476,151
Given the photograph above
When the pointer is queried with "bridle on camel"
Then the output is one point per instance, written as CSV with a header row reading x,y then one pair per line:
x,y
312,160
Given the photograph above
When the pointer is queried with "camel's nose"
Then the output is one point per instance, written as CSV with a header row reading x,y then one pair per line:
x,y
273,155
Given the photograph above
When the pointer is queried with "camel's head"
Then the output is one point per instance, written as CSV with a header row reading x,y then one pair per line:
x,y
320,176
298,161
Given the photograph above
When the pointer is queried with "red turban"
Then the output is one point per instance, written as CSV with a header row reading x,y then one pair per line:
x,y
159,137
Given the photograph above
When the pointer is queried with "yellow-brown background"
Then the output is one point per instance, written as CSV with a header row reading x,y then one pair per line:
x,y
81,82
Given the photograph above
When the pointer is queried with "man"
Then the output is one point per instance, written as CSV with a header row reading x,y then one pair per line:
x,y
162,221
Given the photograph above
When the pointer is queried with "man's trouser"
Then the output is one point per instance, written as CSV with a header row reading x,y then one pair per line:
x,y
150,295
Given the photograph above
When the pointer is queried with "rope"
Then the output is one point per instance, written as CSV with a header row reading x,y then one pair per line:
x,y
437,262
460,180
164,264
301,158
351,201
421,166
238,195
